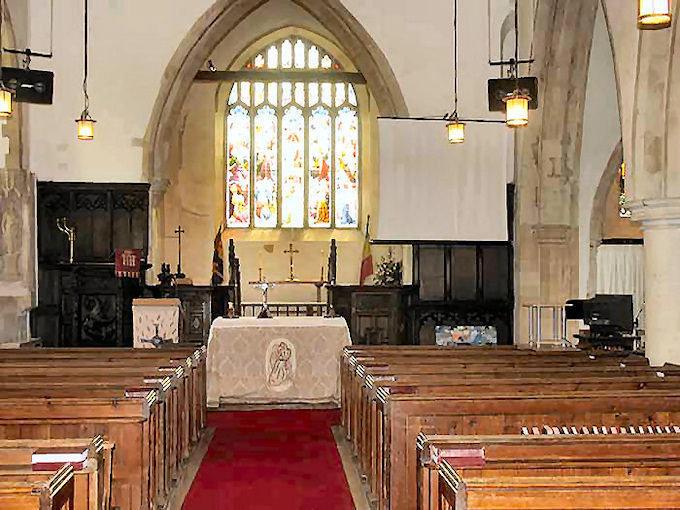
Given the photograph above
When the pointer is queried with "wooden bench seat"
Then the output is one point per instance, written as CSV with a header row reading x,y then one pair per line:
x,y
446,460
366,433
56,493
149,401
36,460
389,396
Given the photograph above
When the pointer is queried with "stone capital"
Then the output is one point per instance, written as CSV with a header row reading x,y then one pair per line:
x,y
659,213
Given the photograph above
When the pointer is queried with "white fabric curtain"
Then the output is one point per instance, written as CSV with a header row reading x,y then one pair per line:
x,y
620,270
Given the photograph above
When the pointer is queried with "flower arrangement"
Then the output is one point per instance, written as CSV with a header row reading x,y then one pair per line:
x,y
388,272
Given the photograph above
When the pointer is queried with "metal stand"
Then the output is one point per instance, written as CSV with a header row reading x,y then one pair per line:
x,y
559,325
264,285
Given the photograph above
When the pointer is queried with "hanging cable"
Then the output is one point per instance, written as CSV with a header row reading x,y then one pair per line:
x,y
455,57
87,98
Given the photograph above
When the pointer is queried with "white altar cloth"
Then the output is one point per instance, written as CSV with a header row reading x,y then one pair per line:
x,y
279,360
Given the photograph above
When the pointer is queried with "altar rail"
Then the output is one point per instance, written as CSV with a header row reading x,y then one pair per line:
x,y
311,309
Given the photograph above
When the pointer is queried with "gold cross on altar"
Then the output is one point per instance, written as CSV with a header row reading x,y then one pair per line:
x,y
291,251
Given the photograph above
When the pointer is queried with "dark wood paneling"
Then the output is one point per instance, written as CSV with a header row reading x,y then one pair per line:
x,y
106,217
84,304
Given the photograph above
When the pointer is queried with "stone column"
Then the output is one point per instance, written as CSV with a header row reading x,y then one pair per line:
x,y
660,220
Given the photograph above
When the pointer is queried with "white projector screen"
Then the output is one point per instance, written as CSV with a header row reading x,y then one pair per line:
x,y
431,190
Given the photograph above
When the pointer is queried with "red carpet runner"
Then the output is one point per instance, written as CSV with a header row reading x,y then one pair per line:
x,y
286,460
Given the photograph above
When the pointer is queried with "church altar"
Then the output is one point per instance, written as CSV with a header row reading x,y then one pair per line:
x,y
278,360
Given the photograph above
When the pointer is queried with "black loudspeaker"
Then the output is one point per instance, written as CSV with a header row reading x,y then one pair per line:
x,y
500,88
30,86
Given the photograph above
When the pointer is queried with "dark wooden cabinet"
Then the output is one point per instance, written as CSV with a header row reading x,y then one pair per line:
x,y
200,305
84,303
375,315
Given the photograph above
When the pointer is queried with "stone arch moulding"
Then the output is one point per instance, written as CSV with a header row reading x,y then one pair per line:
x,y
214,25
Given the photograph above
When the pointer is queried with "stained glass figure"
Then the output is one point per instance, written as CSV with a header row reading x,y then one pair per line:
x,y
339,94
313,61
299,52
326,62
272,93
258,93
265,193
259,61
286,54
272,57
292,169
286,93
346,169
320,137
300,93
245,92
238,168
313,93
326,94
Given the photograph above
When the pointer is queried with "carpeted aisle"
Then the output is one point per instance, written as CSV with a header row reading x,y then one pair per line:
x,y
279,459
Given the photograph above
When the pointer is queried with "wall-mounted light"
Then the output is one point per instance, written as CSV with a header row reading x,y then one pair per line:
x,y
517,109
85,123
6,101
654,14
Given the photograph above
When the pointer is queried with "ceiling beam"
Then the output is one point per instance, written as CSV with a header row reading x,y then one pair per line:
x,y
278,75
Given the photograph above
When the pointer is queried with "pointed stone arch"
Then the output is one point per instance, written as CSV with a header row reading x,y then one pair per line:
x,y
223,17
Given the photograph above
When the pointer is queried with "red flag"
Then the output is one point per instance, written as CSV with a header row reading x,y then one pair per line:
x,y
366,262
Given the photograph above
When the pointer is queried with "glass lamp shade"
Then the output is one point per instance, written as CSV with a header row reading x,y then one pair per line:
x,y
85,128
5,102
654,14
517,110
455,131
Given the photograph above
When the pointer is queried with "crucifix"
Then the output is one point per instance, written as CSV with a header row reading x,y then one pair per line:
x,y
179,231
291,252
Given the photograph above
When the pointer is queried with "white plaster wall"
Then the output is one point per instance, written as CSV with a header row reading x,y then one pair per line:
x,y
131,42
601,133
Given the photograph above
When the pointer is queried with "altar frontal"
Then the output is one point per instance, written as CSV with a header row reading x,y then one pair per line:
x,y
275,361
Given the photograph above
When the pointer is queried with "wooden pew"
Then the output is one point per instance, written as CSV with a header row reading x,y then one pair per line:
x,y
165,417
36,460
109,373
440,359
446,462
400,458
499,413
566,493
53,494
370,423
193,356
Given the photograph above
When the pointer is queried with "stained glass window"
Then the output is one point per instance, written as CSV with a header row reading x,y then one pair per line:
x,y
292,147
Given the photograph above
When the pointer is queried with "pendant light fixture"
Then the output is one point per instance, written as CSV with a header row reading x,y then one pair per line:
x,y
6,99
654,14
517,103
85,123
455,129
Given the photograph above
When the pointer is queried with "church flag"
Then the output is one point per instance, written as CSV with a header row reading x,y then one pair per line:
x,y
366,259
218,259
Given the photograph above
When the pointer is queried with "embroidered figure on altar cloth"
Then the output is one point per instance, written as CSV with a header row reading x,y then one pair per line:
x,y
280,365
